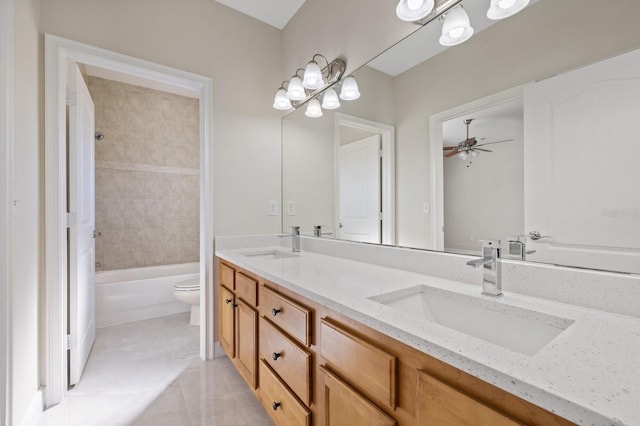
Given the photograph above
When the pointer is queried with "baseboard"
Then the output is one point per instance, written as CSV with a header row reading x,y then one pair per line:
x,y
218,352
34,411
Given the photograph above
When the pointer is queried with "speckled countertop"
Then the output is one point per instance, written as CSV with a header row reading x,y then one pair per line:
x,y
589,374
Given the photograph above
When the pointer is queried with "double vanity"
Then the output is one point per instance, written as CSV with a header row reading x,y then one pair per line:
x,y
325,337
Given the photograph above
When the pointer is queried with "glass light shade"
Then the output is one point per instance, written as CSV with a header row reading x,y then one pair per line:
x,y
500,9
330,100
296,92
281,101
462,155
414,10
313,109
349,91
312,76
473,154
456,27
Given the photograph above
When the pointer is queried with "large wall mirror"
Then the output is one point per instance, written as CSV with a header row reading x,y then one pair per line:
x,y
524,133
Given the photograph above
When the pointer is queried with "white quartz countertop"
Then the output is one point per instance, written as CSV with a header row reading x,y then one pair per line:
x,y
589,374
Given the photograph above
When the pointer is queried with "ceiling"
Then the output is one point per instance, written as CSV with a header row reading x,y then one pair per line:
x,y
273,12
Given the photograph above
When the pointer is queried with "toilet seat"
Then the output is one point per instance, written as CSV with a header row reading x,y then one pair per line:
x,y
188,285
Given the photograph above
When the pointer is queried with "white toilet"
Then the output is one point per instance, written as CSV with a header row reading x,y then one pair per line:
x,y
188,291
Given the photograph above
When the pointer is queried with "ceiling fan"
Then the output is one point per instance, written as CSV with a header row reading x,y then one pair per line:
x,y
468,148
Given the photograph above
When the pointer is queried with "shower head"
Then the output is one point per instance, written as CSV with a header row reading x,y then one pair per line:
x,y
99,136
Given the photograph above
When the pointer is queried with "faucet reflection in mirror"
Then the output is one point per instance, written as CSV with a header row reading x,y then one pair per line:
x,y
456,27
316,81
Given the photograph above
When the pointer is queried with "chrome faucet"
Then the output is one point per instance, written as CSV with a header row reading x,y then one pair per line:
x,y
295,239
490,260
317,231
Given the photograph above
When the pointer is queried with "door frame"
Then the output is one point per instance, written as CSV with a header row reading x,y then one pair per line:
x,y
59,52
436,219
388,181
6,183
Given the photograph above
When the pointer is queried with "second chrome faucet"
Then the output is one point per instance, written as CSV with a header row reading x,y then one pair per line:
x,y
492,268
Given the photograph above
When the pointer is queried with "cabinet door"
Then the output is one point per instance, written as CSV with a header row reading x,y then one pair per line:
x,y
344,406
227,322
247,342
440,404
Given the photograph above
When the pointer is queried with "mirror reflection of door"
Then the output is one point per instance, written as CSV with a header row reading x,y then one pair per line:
x,y
483,177
359,186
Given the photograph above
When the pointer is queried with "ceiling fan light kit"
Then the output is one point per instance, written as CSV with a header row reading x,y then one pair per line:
x,y
456,26
468,148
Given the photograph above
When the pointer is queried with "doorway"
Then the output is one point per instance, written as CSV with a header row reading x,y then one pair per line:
x,y
59,55
365,180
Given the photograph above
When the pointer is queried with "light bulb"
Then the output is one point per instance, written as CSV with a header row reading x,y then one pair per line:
x,y
500,9
312,76
456,27
473,154
414,10
349,91
296,92
330,100
462,155
313,109
281,102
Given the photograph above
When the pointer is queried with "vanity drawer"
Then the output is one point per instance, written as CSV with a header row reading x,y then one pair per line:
x,y
367,368
247,288
227,276
283,407
293,318
290,361
344,406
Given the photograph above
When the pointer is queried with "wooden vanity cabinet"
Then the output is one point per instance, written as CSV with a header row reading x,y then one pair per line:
x,y
337,371
227,321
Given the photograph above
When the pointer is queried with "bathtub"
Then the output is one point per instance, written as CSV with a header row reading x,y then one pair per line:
x,y
128,295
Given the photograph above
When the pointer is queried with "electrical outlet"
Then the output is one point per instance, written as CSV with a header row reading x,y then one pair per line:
x,y
425,208
273,208
291,208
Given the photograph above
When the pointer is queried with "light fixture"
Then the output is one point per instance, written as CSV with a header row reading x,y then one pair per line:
x,y
414,10
456,27
308,84
463,155
349,91
313,109
281,102
330,99
313,78
500,9
296,92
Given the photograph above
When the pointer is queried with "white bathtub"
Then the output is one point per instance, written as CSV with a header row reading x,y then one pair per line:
x,y
127,295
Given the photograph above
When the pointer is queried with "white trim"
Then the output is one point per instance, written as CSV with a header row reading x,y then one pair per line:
x,y
34,411
6,177
387,134
59,53
436,221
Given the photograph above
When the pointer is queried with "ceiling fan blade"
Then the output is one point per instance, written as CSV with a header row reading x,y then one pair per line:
x,y
447,148
450,154
481,149
470,142
489,143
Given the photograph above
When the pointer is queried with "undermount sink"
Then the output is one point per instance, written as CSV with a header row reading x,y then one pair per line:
x,y
518,329
271,254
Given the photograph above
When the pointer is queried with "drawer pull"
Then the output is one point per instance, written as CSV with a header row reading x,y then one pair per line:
x,y
276,355
227,301
235,305
275,405
275,311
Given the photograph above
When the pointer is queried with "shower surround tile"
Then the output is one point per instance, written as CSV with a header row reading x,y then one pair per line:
x,y
147,176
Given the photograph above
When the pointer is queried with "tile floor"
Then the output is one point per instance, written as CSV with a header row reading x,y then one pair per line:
x,y
149,373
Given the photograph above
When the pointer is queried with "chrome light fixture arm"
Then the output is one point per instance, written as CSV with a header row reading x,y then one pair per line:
x,y
332,72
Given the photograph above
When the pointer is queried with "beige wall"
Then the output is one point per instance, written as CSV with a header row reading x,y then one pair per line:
x,y
26,221
147,176
243,58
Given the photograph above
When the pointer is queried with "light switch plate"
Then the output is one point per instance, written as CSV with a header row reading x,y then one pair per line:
x,y
291,208
273,208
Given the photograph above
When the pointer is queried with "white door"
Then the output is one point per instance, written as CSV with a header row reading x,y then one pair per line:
x,y
359,190
582,146
82,324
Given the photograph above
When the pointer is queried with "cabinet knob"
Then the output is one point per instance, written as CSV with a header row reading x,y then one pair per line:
x,y
275,405
276,355
227,301
275,312
235,305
